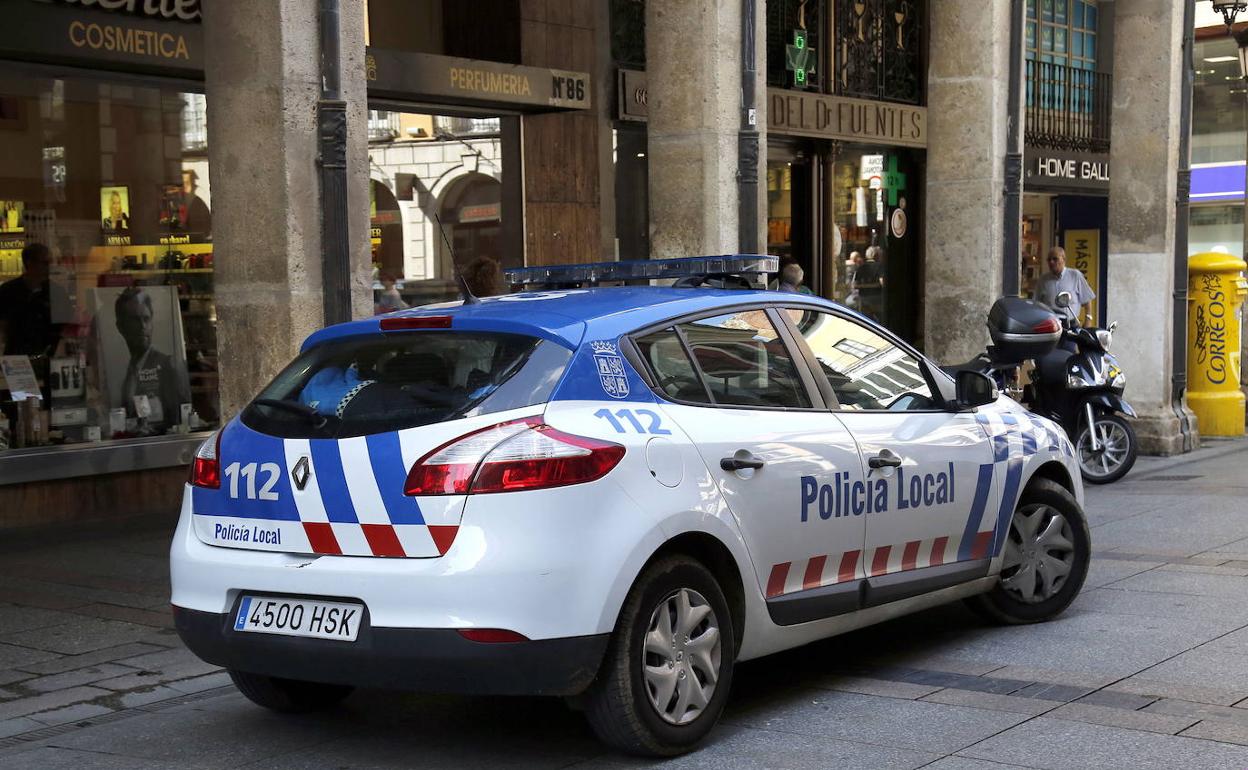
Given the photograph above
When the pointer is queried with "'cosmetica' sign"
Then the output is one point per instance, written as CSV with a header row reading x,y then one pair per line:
x,y
142,35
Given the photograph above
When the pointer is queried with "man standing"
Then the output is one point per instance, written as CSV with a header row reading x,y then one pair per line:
x,y
26,307
869,282
791,277
1059,279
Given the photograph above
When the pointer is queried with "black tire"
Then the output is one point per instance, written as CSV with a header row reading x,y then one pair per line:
x,y
1132,450
1002,606
618,703
289,696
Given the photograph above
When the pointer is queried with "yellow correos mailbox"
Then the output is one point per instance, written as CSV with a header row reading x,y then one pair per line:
x,y
1215,292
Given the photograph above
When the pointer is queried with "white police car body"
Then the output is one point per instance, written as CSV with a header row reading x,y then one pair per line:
x,y
612,494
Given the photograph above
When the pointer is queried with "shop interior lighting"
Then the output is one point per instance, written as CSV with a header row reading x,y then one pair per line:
x,y
1219,59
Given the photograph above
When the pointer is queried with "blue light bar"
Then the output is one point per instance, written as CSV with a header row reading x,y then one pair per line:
x,y
644,269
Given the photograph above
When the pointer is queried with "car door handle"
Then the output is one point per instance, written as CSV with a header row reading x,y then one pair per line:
x,y
741,461
885,459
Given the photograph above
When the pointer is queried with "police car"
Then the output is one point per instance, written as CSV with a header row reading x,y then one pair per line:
x,y
614,494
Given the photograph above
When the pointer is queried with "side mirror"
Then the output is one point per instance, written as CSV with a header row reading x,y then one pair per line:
x,y
1063,299
974,389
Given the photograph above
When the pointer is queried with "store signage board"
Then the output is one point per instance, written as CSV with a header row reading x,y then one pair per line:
x,y
871,169
472,82
797,113
86,34
1046,169
632,98
1083,252
822,116
173,10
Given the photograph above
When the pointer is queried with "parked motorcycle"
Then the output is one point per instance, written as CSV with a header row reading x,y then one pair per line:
x,y
1075,381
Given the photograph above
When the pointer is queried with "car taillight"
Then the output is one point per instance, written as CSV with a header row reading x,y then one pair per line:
x,y
492,635
1048,326
509,457
206,467
409,323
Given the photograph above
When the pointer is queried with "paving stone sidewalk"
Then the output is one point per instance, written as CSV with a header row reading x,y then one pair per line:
x,y
1146,670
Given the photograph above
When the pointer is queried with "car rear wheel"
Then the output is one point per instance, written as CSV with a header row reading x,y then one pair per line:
x,y
1046,556
669,664
289,696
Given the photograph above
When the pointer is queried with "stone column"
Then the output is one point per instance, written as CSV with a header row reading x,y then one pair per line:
x,y
694,108
262,84
967,117
1144,146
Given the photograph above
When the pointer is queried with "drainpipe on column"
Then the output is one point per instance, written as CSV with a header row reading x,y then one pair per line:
x,y
747,139
1010,279
332,132
1178,352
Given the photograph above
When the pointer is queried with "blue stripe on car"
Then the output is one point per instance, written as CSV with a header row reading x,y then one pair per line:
x,y
1013,475
982,486
327,464
386,458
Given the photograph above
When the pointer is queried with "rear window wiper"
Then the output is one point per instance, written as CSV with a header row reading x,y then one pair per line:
x,y
294,407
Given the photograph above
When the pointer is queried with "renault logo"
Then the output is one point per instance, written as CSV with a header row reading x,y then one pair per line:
x,y
300,473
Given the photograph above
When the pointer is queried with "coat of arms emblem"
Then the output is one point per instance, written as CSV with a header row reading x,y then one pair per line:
x,y
610,369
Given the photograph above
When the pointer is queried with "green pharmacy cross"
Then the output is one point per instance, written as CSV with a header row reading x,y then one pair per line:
x,y
894,180
799,59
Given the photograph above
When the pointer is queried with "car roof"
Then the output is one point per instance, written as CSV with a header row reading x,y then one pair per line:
x,y
567,316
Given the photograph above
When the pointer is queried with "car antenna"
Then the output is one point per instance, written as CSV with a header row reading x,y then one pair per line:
x,y
465,292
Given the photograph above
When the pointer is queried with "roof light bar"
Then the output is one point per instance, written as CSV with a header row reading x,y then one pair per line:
x,y
644,269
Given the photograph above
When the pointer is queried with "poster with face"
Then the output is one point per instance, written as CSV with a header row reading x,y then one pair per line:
x,y
115,209
11,220
140,353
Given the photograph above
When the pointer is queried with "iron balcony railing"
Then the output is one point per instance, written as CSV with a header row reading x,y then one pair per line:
x,y
1068,108
383,126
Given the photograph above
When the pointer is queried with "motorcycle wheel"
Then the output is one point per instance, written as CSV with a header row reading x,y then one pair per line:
x,y
1118,449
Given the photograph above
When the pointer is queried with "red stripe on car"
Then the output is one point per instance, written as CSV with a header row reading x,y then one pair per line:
x,y
321,538
383,540
814,572
775,583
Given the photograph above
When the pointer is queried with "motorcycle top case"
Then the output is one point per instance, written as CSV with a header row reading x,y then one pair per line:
x,y
1022,329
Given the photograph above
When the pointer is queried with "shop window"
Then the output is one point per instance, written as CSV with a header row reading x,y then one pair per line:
x,y
436,204
1217,108
632,192
107,308
1216,228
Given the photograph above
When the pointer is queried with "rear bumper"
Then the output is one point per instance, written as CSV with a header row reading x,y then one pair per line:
x,y
424,659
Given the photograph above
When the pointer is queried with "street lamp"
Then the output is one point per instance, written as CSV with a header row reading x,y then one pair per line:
x,y
1229,10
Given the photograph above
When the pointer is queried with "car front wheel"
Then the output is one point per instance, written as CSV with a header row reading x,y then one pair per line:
x,y
669,664
1046,555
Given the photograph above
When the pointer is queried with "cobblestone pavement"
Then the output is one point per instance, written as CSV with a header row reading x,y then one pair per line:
x,y
1146,670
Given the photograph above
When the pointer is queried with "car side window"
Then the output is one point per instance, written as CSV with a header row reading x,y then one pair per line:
x,y
673,371
744,362
866,370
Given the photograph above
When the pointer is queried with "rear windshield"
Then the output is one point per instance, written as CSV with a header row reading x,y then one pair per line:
x,y
362,385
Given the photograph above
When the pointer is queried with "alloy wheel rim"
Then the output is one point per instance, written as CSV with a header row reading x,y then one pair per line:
x,y
1039,554
681,656
1114,444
